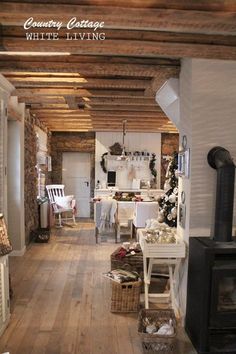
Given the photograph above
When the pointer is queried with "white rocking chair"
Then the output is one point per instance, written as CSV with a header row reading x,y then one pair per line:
x,y
60,203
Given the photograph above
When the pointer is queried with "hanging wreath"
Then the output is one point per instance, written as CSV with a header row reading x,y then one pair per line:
x,y
152,164
103,162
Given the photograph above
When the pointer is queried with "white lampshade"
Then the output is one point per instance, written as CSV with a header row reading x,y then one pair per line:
x,y
168,99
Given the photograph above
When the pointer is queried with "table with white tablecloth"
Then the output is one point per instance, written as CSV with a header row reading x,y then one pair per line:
x,y
127,213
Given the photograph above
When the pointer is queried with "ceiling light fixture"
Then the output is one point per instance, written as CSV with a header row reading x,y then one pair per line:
x,y
123,156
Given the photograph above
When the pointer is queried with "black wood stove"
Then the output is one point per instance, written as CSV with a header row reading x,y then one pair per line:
x,y
211,294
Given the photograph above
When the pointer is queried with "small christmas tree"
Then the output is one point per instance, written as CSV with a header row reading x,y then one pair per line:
x,y
169,201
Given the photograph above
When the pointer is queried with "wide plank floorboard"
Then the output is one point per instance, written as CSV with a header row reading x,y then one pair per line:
x,y
61,302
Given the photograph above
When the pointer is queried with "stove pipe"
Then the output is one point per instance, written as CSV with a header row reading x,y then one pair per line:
x,y
220,159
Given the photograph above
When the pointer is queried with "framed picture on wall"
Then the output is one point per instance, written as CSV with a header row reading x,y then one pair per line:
x,y
182,215
49,163
184,163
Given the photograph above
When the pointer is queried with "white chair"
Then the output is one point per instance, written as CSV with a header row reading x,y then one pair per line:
x,y
124,219
105,216
143,212
60,203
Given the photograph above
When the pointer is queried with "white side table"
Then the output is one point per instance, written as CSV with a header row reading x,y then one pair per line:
x,y
163,254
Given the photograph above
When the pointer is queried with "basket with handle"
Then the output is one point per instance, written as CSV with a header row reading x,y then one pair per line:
x,y
125,297
156,343
134,261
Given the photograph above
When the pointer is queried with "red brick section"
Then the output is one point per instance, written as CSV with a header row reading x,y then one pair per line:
x,y
169,144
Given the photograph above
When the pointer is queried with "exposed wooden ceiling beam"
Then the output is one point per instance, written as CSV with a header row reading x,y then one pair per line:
x,y
135,108
105,129
115,17
125,48
213,5
138,35
116,78
95,100
30,67
86,83
88,59
76,92
94,112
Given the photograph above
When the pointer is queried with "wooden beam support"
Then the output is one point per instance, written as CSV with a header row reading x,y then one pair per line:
x,y
140,35
124,48
30,67
130,101
114,17
87,83
74,92
213,5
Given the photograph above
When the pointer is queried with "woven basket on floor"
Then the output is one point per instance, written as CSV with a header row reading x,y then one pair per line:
x,y
135,262
125,297
155,343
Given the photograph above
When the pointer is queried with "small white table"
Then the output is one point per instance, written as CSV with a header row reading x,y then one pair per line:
x,y
163,254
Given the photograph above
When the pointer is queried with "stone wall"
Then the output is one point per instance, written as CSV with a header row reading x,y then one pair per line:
x,y
72,142
31,205
169,144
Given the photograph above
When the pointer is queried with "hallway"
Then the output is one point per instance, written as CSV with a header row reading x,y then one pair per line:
x,y
61,300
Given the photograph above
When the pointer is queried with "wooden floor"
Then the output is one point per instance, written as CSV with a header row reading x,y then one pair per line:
x,y
61,300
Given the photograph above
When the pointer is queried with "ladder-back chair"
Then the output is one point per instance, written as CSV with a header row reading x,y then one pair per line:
x,y
60,203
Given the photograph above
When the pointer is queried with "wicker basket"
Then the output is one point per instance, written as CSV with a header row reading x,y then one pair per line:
x,y
154,343
135,262
125,297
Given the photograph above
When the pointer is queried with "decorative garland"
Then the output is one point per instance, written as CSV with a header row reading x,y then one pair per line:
x,y
103,162
152,166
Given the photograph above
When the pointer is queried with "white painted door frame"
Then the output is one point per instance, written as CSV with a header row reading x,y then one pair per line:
x,y
76,176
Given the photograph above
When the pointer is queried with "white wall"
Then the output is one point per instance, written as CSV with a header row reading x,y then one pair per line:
x,y
5,90
16,219
213,124
208,118
150,142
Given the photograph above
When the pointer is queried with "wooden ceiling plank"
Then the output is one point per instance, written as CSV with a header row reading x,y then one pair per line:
x,y
140,35
103,69
90,60
88,84
94,100
213,5
106,108
119,18
93,113
107,118
125,48
106,121
76,92
103,129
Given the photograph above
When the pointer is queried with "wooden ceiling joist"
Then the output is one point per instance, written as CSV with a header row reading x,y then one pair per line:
x,y
21,65
213,5
93,85
77,92
88,83
191,21
125,48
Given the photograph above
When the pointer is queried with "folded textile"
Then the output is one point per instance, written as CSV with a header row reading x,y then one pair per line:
x,y
122,276
121,253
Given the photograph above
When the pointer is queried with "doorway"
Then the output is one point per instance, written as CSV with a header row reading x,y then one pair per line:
x,y
76,169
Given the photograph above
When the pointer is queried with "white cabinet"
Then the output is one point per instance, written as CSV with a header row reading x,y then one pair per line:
x,y
4,293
